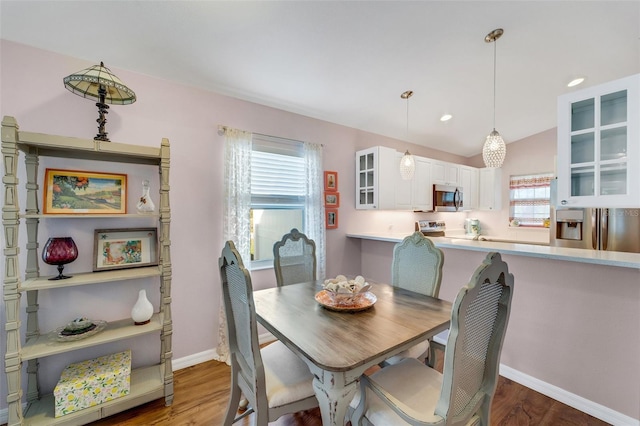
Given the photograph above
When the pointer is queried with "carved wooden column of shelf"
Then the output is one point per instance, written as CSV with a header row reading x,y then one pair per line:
x,y
32,269
32,161
10,222
165,261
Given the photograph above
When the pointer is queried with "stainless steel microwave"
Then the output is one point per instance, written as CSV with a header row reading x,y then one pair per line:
x,y
447,198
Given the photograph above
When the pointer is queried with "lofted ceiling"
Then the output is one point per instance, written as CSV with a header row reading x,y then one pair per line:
x,y
347,62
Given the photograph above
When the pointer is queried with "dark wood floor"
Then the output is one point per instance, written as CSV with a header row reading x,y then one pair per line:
x,y
201,394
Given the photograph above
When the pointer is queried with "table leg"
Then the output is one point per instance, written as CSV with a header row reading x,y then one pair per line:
x,y
333,398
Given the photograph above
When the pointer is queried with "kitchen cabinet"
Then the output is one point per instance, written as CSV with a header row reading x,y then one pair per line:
x,y
379,184
469,181
417,193
148,382
490,193
377,172
443,173
599,145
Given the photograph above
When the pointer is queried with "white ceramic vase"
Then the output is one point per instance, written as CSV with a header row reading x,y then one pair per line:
x,y
143,309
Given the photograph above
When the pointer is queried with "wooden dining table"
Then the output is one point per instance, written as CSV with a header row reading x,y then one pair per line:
x,y
338,346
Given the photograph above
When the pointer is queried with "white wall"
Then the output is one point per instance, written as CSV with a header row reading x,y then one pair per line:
x,y
32,91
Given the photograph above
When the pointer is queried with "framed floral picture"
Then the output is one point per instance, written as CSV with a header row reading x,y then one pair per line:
x,y
331,218
125,248
332,199
82,192
330,181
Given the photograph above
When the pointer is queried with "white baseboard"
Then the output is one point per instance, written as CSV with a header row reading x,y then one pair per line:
x,y
596,410
266,338
190,360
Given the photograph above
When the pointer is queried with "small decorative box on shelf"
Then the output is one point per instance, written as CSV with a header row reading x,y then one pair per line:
x,y
92,382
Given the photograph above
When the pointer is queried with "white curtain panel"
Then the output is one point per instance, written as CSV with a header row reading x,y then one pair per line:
x,y
314,204
237,206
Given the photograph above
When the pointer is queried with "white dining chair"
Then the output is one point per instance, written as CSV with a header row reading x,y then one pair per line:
x,y
417,266
412,393
274,380
294,259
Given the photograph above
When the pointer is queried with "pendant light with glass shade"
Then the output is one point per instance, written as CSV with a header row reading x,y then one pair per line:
x,y
407,162
494,149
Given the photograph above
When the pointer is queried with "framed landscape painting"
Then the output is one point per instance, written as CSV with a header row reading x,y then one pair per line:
x,y
125,248
82,192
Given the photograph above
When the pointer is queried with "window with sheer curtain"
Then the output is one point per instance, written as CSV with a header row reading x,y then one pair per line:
x,y
275,184
530,198
271,185
278,194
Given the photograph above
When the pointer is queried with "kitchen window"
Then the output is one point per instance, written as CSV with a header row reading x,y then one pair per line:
x,y
530,199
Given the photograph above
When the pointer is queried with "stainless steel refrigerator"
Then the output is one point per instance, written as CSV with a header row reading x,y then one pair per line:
x,y
596,228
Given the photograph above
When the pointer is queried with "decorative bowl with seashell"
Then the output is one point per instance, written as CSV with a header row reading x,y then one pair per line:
x,y
346,291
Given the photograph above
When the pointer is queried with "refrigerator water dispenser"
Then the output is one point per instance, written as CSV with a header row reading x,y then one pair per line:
x,y
569,224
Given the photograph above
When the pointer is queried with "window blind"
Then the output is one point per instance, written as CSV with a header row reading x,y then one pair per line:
x,y
277,179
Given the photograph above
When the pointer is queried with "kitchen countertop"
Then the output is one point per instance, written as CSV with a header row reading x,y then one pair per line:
x,y
610,258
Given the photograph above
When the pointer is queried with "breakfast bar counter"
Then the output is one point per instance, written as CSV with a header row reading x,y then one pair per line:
x,y
596,257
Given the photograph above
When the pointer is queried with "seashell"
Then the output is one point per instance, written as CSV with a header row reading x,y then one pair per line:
x,y
364,288
345,287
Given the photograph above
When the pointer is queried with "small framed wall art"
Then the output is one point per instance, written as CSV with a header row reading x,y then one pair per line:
x,y
332,199
82,192
330,181
331,218
125,248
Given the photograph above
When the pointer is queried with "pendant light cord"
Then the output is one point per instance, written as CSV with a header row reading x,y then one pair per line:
x,y
495,47
407,131
406,95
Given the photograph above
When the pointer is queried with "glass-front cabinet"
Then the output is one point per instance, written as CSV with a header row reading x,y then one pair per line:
x,y
599,145
365,179
375,178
